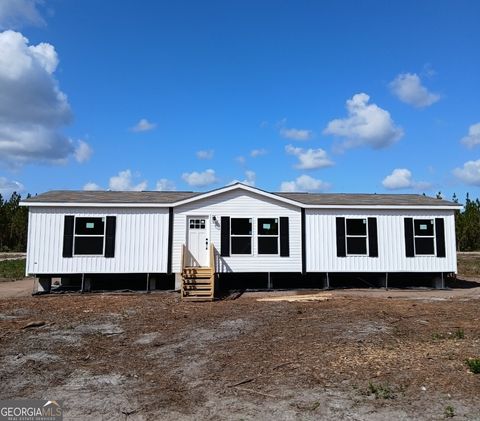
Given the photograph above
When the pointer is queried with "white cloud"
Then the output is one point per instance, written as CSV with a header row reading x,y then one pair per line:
x,y
83,152
304,183
309,159
90,186
200,179
124,182
254,153
143,125
7,187
32,107
296,134
16,13
165,185
366,125
469,173
205,154
408,88
473,137
249,180
401,178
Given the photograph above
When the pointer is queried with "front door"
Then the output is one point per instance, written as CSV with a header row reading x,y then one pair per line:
x,y
197,241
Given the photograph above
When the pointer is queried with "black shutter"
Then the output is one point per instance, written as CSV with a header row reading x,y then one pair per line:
x,y
372,237
68,236
225,236
440,236
304,244
170,240
341,250
110,236
284,237
409,247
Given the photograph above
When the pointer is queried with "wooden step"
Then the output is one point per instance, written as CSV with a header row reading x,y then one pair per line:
x,y
198,269
194,295
197,288
197,294
195,274
197,285
197,281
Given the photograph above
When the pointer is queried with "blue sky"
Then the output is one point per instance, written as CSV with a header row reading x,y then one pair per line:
x,y
338,96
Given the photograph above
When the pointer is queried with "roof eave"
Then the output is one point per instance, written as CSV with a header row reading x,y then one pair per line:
x,y
95,205
411,207
167,205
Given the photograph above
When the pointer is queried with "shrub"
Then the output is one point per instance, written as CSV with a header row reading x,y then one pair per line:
x,y
380,391
474,365
449,412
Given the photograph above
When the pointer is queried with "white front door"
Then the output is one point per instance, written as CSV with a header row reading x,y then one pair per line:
x,y
197,241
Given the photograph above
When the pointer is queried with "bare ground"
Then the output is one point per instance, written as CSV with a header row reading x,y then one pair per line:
x,y
363,356
12,256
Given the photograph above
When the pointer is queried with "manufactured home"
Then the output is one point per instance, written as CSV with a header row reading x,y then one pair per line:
x,y
200,239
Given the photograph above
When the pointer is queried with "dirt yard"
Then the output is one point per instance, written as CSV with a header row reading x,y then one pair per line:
x,y
150,356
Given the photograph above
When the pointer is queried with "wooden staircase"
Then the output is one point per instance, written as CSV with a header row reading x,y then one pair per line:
x,y
198,282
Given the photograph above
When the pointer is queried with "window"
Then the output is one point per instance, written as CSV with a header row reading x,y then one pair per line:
x,y
356,235
89,236
267,235
424,237
241,235
197,223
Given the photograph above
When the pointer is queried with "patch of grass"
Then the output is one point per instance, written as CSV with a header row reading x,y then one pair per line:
x,y
449,412
380,391
12,269
473,365
468,264
459,334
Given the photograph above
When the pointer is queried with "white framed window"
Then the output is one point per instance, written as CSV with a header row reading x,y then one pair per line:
x,y
196,223
424,237
268,236
89,236
356,230
241,236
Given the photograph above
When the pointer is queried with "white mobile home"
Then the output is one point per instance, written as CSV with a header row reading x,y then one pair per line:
x,y
199,237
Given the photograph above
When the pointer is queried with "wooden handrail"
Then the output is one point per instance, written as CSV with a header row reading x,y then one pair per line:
x,y
182,263
212,258
212,269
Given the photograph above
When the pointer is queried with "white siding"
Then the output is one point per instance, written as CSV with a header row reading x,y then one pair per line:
x,y
321,243
241,204
141,244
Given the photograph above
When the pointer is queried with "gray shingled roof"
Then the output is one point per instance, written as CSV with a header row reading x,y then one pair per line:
x,y
365,199
327,199
69,196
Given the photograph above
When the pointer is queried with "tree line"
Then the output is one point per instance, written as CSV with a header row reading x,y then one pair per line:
x,y
14,221
467,225
13,224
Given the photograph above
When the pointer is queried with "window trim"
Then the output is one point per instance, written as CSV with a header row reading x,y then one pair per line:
x,y
367,248
433,237
242,235
268,236
104,236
